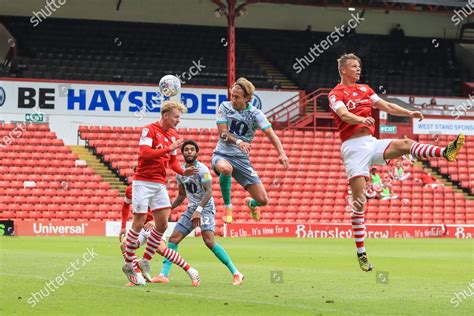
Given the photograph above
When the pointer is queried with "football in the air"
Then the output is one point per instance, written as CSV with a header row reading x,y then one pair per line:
x,y
169,85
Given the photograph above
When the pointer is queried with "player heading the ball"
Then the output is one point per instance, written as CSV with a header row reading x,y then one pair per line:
x,y
159,143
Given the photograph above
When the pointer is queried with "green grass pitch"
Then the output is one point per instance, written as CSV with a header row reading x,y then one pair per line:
x,y
314,277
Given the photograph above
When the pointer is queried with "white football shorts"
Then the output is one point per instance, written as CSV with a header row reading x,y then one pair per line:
x,y
149,194
360,153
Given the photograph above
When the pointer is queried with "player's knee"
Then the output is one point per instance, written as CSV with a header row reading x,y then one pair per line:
x,y
224,168
406,144
262,200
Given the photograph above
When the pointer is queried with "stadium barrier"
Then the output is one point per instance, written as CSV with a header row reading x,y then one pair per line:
x,y
376,231
345,230
59,228
73,228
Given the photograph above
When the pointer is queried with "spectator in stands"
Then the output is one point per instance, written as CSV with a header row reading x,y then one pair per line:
x,y
433,101
428,180
399,172
308,35
386,194
411,100
397,32
376,180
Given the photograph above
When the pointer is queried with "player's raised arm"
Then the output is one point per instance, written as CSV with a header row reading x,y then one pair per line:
x,y
180,197
394,109
275,140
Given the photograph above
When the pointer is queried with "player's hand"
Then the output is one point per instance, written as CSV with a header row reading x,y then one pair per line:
x,y
368,121
283,159
196,219
148,226
177,144
190,171
416,114
122,234
245,147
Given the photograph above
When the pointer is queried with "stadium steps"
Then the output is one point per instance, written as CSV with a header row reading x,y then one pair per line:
x,y
443,179
270,69
99,168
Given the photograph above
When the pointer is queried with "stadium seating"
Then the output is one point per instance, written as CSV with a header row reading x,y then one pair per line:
x,y
408,65
314,189
461,171
142,53
125,52
40,180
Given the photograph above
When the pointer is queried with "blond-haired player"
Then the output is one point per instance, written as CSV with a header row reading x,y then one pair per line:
x,y
158,149
352,104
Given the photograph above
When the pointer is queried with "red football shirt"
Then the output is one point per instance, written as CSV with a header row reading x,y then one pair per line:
x,y
358,100
154,169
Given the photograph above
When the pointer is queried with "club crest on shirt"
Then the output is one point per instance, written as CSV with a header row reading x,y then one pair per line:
x,y
364,89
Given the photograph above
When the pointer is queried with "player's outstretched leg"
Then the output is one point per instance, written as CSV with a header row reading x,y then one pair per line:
x,y
224,169
163,277
401,147
153,242
258,198
221,254
358,186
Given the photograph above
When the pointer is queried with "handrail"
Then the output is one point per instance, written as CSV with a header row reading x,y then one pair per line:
x,y
293,109
294,103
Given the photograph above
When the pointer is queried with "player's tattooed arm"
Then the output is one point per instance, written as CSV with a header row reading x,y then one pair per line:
x,y
180,197
207,186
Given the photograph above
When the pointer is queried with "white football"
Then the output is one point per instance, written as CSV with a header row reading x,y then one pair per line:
x,y
169,85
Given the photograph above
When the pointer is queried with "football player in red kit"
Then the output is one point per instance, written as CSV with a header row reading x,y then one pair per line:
x,y
352,105
158,151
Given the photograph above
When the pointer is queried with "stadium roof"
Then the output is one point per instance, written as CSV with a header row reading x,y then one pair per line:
x,y
387,5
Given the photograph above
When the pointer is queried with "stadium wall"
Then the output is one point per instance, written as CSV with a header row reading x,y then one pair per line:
x,y
71,104
262,15
243,230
